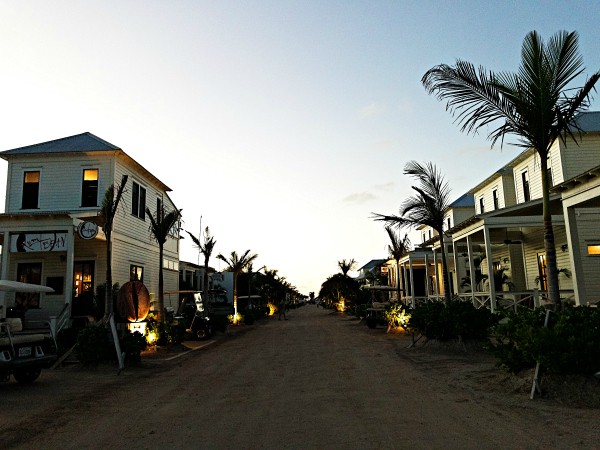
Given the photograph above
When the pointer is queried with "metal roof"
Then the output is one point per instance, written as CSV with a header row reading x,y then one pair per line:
x,y
84,142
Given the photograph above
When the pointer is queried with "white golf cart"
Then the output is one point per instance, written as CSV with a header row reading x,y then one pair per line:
x,y
23,355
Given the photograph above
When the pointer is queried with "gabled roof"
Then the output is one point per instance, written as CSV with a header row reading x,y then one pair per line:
x,y
464,200
84,142
372,264
588,121
79,143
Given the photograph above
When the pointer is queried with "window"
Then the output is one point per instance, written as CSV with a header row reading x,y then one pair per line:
x,y
481,206
136,273
448,221
495,198
525,181
28,273
593,249
31,190
159,205
89,188
541,279
138,201
550,181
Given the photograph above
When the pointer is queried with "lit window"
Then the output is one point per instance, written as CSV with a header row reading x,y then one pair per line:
x,y
31,190
593,249
136,273
89,188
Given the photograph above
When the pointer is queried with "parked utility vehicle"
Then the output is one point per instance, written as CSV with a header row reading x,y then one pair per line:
x,y
23,355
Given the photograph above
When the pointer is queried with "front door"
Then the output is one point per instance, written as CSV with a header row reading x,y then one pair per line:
x,y
83,288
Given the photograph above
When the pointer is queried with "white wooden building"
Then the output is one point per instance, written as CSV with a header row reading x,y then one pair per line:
x,y
54,193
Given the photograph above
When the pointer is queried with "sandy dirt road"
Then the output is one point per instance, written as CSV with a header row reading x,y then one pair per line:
x,y
316,381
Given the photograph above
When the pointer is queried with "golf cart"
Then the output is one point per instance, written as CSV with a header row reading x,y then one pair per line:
x,y
23,355
192,313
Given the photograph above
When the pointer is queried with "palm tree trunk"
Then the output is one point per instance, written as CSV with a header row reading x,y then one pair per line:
x,y
398,278
108,303
235,299
205,293
161,284
549,246
445,273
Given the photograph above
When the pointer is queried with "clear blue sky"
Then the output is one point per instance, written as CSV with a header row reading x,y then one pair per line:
x,y
284,124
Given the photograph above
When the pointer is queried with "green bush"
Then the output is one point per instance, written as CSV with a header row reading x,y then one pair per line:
x,y
569,345
167,333
132,344
397,315
93,345
452,320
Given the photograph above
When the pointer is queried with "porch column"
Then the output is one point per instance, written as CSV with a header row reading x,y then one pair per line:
x,y
490,265
412,282
437,277
4,273
574,256
456,269
70,263
471,269
404,282
427,287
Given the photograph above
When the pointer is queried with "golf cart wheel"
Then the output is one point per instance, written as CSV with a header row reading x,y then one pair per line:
x,y
26,376
202,333
372,322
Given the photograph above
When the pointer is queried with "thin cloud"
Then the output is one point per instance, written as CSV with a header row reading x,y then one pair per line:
x,y
359,198
371,110
386,187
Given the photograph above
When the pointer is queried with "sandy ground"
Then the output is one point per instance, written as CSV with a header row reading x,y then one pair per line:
x,y
316,381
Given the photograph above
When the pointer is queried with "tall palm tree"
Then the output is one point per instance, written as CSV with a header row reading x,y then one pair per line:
x,y
161,225
427,207
108,210
206,249
346,266
397,248
531,104
236,264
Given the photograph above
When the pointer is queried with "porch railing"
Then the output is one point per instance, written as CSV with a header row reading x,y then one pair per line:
x,y
509,300
61,320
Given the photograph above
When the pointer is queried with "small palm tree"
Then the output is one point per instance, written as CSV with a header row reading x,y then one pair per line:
x,y
206,249
428,207
236,264
346,266
161,225
110,203
531,104
397,248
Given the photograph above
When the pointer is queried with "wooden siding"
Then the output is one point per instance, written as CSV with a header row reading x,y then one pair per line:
x,y
60,181
504,184
589,232
533,244
581,156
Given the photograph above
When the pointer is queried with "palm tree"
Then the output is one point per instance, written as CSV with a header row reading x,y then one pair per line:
x,y
161,225
236,264
108,210
206,249
346,266
531,104
428,207
397,248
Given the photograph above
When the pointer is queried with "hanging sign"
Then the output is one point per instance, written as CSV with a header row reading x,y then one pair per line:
x,y
87,230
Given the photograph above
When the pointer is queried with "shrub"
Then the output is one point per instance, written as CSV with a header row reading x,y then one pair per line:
x,y
132,344
65,339
397,315
93,345
569,345
166,333
452,320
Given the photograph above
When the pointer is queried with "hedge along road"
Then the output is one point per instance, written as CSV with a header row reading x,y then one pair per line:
x,y
316,381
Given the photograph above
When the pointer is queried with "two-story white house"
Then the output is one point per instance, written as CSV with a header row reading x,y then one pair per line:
x,y
504,241
49,233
